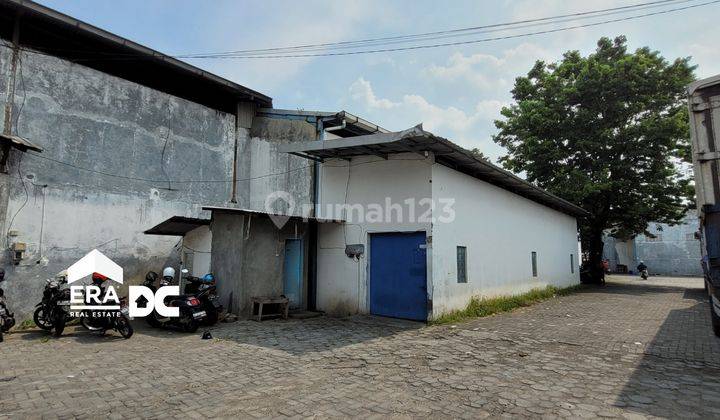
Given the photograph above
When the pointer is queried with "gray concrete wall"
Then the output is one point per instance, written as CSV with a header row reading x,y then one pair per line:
x,y
106,172
249,260
260,157
674,252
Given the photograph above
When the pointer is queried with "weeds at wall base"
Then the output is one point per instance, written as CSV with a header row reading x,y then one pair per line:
x,y
481,307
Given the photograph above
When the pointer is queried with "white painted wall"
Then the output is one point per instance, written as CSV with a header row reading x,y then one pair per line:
x,y
198,243
500,230
342,285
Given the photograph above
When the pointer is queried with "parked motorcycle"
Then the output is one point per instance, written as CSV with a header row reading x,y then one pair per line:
x,y
205,289
52,293
191,311
53,311
7,318
103,320
60,308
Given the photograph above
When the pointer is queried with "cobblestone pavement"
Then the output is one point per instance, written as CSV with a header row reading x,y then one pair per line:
x,y
632,349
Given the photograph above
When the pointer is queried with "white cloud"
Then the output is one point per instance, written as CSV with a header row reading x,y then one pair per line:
x,y
468,128
362,91
486,71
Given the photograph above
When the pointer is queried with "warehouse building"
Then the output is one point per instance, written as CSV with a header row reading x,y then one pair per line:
x,y
409,225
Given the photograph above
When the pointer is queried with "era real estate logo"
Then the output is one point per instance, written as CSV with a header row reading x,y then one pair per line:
x,y
105,300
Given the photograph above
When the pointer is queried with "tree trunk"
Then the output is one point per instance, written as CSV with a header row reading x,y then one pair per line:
x,y
596,256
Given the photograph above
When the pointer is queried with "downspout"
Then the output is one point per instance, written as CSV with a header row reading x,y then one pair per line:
x,y
314,226
233,194
313,234
337,127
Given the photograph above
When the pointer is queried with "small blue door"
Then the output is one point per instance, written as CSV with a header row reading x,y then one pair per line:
x,y
292,272
398,276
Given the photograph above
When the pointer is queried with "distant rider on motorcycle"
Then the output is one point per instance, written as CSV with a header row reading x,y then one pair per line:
x,y
643,270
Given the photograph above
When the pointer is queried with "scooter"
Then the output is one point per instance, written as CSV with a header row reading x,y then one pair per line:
x,y
190,307
7,318
644,274
204,288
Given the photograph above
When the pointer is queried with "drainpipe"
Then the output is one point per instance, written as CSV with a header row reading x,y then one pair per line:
x,y
337,127
313,233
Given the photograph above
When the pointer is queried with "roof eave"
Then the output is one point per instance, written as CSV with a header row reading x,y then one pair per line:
x,y
50,16
454,157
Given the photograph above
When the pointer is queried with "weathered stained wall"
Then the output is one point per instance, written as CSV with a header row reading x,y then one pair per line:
x,y
260,156
248,257
118,158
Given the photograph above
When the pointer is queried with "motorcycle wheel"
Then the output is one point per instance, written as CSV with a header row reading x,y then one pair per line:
x,y
42,320
1,335
212,314
189,324
58,322
152,321
123,327
85,322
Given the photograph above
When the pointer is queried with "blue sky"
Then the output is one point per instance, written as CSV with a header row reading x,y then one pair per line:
x,y
455,91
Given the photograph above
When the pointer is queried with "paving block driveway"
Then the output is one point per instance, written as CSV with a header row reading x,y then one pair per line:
x,y
632,349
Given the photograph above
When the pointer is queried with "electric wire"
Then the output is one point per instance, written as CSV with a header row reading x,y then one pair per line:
x,y
474,41
301,51
161,181
446,33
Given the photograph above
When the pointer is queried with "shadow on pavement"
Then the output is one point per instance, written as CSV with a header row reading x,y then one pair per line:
x,y
639,288
678,373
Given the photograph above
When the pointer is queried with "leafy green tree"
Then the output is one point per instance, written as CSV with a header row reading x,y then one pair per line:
x,y
478,154
606,132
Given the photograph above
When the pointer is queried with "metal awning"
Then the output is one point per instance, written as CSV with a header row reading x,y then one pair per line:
x,y
266,214
447,153
19,143
177,226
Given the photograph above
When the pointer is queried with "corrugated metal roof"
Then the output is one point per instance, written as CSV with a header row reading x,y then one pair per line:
x,y
54,33
264,213
355,126
177,226
20,143
446,153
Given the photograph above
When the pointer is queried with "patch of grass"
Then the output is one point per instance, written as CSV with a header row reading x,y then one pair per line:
x,y
480,307
26,325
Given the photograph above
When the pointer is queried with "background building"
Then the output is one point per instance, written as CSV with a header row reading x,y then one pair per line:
x,y
674,251
118,146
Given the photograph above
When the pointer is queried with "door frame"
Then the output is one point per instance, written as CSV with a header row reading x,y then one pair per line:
x,y
301,273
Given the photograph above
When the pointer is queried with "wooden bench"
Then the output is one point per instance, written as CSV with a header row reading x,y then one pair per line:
x,y
282,303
